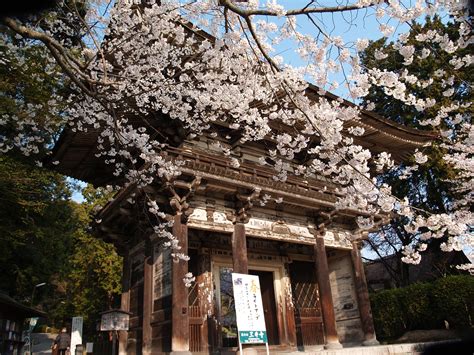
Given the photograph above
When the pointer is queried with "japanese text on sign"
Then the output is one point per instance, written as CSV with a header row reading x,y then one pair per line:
x,y
249,309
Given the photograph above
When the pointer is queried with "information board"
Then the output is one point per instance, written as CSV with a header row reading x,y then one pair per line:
x,y
162,269
249,309
114,321
89,347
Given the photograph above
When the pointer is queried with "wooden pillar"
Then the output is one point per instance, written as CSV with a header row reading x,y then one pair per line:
x,y
239,249
363,298
125,302
205,294
179,313
147,304
290,309
327,306
239,241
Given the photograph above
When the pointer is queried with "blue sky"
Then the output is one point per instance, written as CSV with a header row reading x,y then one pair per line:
x,y
77,195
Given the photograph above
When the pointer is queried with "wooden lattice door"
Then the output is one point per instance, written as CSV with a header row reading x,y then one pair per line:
x,y
308,318
195,319
197,334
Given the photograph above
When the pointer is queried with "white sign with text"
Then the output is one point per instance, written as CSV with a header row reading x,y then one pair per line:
x,y
249,309
76,333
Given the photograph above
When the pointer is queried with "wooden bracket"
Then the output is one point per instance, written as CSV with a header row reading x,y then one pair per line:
x,y
243,204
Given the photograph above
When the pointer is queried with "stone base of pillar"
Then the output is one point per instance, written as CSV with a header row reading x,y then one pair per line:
x,y
247,351
370,342
181,352
333,345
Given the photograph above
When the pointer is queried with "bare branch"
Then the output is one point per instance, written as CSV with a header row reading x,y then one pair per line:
x,y
305,10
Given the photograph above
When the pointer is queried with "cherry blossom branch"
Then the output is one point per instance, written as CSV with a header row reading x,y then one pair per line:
x,y
70,65
286,87
305,10
259,44
96,43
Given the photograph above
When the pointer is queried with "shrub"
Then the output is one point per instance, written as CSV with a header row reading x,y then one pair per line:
x,y
424,306
387,314
416,306
453,300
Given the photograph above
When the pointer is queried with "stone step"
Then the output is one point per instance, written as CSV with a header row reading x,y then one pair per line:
x,y
392,349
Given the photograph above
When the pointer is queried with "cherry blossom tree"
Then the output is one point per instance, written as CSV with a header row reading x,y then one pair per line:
x,y
210,63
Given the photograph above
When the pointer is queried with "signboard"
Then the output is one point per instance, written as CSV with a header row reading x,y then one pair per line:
x,y
252,337
26,336
114,321
89,347
162,269
249,309
33,322
76,333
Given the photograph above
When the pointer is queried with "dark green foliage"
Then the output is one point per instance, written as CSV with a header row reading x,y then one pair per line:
x,y
44,238
37,222
43,234
416,305
453,297
93,279
387,314
94,270
424,306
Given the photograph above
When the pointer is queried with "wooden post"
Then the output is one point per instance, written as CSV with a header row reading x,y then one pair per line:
x,y
327,306
147,304
239,249
125,302
114,341
290,310
179,314
363,298
239,240
204,281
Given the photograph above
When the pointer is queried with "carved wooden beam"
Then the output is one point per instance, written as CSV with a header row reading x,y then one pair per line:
x,y
244,202
322,221
179,202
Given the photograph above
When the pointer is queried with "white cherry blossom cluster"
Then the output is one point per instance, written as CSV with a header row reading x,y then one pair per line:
x,y
189,279
156,65
162,226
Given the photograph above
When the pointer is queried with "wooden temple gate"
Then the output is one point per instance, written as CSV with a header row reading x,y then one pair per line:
x,y
302,282
168,317
307,312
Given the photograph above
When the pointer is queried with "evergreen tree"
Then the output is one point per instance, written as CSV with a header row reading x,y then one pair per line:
x,y
37,224
93,276
428,187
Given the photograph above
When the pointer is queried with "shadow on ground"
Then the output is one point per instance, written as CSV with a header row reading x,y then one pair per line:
x,y
42,343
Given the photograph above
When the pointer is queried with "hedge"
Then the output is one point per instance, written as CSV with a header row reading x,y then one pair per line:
x,y
424,306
